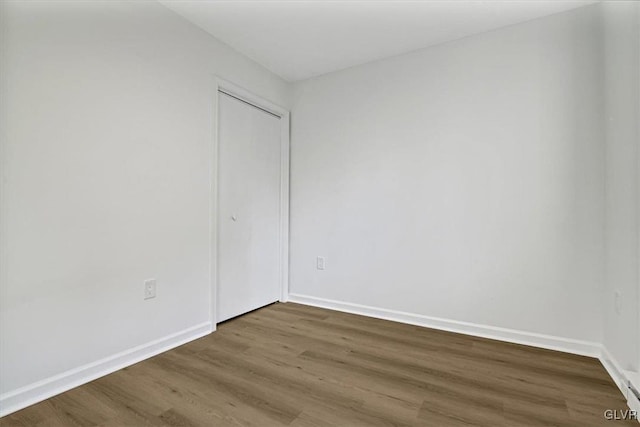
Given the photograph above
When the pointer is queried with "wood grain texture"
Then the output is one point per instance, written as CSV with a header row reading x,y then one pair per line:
x,y
293,365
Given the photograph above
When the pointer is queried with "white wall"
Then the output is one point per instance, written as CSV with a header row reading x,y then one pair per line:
x,y
464,181
622,114
107,118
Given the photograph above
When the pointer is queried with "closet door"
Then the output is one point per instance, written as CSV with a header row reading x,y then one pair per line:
x,y
248,207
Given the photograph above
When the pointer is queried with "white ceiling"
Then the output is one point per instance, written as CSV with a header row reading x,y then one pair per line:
x,y
302,39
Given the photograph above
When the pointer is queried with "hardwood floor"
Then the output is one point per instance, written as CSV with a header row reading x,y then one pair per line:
x,y
289,364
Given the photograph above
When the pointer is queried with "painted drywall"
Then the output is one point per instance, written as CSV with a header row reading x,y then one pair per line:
x,y
622,102
303,39
107,120
463,182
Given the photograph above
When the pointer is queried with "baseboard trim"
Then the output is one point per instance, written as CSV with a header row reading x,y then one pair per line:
x,y
614,370
634,403
33,393
620,378
567,345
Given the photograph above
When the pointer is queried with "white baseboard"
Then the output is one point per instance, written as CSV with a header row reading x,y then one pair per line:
x,y
28,395
622,379
614,370
550,342
634,404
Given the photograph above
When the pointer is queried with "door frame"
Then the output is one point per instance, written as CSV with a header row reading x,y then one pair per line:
x,y
283,252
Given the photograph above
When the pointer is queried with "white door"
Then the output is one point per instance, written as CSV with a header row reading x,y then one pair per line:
x,y
248,207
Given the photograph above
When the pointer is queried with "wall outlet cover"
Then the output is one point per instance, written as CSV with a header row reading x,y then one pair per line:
x,y
149,288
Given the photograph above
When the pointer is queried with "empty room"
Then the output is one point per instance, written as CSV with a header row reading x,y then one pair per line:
x,y
319,213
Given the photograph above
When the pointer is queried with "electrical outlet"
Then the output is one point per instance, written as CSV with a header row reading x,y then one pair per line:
x,y
617,301
320,263
149,288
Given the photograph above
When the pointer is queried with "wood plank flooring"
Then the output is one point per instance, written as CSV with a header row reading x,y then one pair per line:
x,y
299,366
